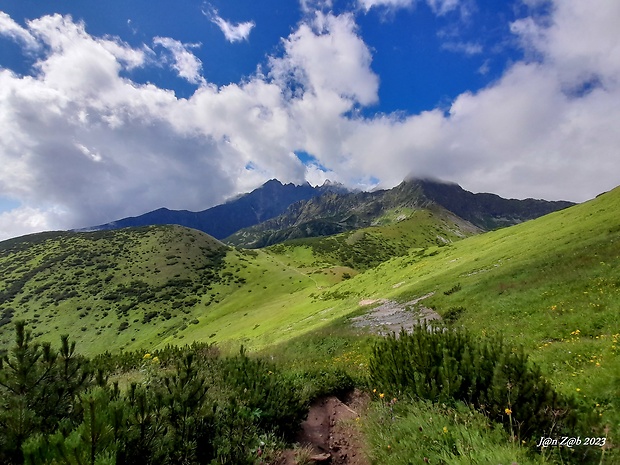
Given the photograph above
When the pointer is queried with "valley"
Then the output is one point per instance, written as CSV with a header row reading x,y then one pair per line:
x,y
550,285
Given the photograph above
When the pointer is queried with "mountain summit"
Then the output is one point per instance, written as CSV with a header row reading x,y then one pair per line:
x,y
336,212
263,203
276,212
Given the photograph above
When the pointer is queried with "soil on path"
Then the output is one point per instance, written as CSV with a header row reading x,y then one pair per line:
x,y
330,433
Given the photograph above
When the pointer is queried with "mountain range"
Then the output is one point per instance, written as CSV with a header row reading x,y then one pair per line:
x,y
269,200
276,212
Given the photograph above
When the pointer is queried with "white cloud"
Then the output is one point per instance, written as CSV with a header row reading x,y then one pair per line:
x,y
9,28
545,129
439,7
76,63
26,220
310,6
582,42
368,4
93,155
327,55
485,67
185,62
232,32
80,144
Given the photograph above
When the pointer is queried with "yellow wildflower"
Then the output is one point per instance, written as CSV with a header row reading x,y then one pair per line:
x,y
382,395
508,411
147,356
445,429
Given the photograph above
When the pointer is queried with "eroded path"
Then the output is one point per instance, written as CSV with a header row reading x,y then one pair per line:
x,y
331,433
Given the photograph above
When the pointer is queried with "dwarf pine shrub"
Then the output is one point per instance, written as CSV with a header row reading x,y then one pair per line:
x,y
191,407
271,397
450,365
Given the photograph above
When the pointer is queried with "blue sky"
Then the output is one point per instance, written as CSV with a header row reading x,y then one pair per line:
x,y
117,108
424,59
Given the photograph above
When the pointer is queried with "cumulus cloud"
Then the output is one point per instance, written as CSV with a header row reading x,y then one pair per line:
x,y
326,55
232,32
82,144
12,30
582,42
92,144
184,62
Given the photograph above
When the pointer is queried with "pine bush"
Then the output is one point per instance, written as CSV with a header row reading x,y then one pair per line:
x,y
449,365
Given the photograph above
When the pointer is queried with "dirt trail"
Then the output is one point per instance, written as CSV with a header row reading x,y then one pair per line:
x,y
330,434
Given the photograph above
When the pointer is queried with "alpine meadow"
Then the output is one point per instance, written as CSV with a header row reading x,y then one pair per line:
x,y
537,302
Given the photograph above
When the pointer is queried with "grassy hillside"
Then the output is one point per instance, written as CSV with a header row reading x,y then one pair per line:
x,y
394,234
105,287
550,284
155,285
537,282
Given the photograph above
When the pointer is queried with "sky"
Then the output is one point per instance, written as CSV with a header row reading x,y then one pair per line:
x,y
113,109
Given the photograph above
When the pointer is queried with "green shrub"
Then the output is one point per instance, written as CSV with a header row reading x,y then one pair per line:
x,y
266,392
448,365
453,289
190,407
38,386
453,314
313,384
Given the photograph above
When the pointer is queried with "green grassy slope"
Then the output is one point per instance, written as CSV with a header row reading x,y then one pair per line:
x,y
560,271
551,284
104,288
155,285
394,234
537,282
